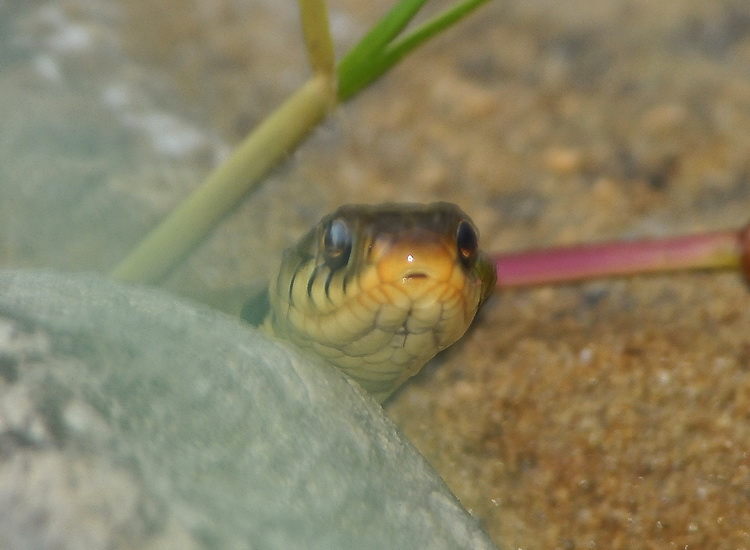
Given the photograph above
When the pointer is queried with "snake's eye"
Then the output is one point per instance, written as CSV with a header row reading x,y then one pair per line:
x,y
467,242
337,242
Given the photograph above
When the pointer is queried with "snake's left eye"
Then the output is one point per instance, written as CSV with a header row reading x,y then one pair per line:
x,y
337,242
467,242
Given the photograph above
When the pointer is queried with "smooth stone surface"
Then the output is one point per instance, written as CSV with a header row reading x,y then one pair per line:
x,y
131,419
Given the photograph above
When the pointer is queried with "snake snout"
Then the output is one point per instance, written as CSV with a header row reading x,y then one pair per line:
x,y
406,263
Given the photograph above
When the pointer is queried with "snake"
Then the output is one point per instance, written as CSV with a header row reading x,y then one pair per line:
x,y
378,290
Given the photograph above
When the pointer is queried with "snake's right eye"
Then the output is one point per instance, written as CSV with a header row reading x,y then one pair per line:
x,y
337,242
467,242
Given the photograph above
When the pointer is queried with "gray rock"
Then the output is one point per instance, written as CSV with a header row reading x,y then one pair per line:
x,y
132,419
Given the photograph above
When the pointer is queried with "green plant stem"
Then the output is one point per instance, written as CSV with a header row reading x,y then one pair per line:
x,y
400,47
200,212
381,48
360,57
315,29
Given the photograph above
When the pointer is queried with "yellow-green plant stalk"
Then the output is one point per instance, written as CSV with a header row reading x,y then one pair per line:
x,y
194,218
314,16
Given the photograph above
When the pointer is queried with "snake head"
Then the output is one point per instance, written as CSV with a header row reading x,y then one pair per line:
x,y
377,290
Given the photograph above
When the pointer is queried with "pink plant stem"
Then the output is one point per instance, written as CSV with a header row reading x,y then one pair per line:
x,y
719,250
